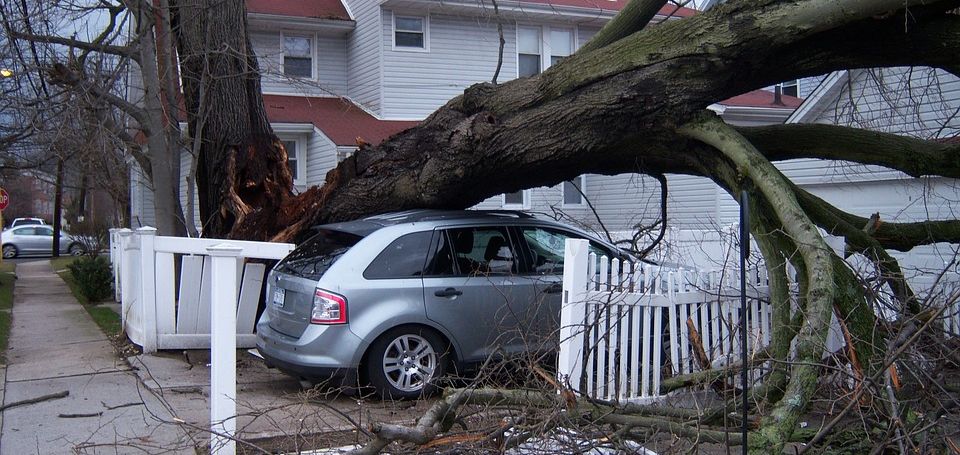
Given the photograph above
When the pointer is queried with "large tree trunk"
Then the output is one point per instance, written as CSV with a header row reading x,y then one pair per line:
x,y
242,164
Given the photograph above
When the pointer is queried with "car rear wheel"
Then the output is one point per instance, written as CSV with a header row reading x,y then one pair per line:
x,y
76,249
10,251
406,363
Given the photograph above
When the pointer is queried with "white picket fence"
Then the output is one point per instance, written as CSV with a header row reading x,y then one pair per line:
x,y
160,312
622,324
214,306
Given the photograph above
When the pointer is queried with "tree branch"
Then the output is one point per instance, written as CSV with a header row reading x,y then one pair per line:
x,y
61,74
914,157
775,191
122,51
631,19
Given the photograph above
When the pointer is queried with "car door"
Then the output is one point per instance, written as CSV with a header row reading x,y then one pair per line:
x,y
28,240
544,249
44,239
471,287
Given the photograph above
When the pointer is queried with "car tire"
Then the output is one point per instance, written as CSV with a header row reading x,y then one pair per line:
x,y
76,249
10,251
407,363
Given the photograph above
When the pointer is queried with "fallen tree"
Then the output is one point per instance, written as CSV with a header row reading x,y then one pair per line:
x,y
633,100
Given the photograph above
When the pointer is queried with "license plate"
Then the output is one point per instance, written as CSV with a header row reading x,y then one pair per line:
x,y
278,296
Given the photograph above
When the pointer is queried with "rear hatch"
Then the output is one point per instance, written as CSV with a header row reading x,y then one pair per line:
x,y
293,282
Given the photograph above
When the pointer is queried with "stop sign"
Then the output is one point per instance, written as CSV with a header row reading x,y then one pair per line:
x,y
4,199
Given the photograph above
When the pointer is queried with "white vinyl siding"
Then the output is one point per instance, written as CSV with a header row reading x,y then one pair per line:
x,y
463,51
321,158
918,102
330,67
141,199
365,54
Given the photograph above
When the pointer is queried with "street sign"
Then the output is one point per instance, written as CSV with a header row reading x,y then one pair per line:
x,y
4,199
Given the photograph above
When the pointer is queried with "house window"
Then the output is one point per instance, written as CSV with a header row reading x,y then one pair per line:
x,y
528,51
539,48
561,44
298,56
409,32
573,192
516,200
295,159
790,88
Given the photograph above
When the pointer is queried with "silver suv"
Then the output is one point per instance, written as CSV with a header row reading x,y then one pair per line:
x,y
396,300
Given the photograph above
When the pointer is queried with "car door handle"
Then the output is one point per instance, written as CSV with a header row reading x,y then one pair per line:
x,y
554,288
448,292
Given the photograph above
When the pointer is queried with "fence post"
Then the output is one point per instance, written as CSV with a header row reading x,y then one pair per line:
x,y
115,262
148,288
223,345
573,311
119,268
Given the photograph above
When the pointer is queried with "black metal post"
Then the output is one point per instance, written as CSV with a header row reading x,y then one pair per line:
x,y
744,253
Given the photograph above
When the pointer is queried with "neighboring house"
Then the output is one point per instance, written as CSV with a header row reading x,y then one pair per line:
x,y
917,102
31,195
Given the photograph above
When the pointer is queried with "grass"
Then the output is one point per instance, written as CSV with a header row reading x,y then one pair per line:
x,y
106,318
6,303
60,267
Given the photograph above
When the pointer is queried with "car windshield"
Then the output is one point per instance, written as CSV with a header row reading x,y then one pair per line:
x,y
312,258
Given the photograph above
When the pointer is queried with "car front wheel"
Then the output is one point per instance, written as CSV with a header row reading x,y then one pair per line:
x,y
76,249
406,362
10,251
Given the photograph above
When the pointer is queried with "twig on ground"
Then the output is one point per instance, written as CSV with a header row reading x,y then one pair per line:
x,y
77,416
52,396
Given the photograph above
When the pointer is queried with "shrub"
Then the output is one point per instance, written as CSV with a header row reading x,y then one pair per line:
x,y
94,276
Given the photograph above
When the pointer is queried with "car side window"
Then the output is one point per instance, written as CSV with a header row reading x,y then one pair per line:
x,y
403,258
440,259
547,247
484,250
25,231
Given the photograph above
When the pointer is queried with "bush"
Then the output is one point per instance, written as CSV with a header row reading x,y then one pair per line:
x,y
94,276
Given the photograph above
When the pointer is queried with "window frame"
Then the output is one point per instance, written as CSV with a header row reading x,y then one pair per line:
x,y
582,185
312,39
545,44
524,205
795,83
301,156
425,20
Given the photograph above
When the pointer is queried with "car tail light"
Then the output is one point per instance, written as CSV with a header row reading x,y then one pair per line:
x,y
328,308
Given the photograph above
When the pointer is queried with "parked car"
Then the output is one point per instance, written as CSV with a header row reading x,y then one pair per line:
x,y
396,300
36,239
26,221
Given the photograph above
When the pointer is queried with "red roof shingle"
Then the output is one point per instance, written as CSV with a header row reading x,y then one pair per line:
x,y
340,120
762,98
318,9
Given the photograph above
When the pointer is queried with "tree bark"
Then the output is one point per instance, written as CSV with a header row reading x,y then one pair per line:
x,y
242,164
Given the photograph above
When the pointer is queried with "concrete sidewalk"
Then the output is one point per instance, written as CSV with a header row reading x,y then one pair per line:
x,y
56,347
147,403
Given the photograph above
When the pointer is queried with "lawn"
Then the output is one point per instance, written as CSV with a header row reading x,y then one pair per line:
x,y
6,303
106,318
